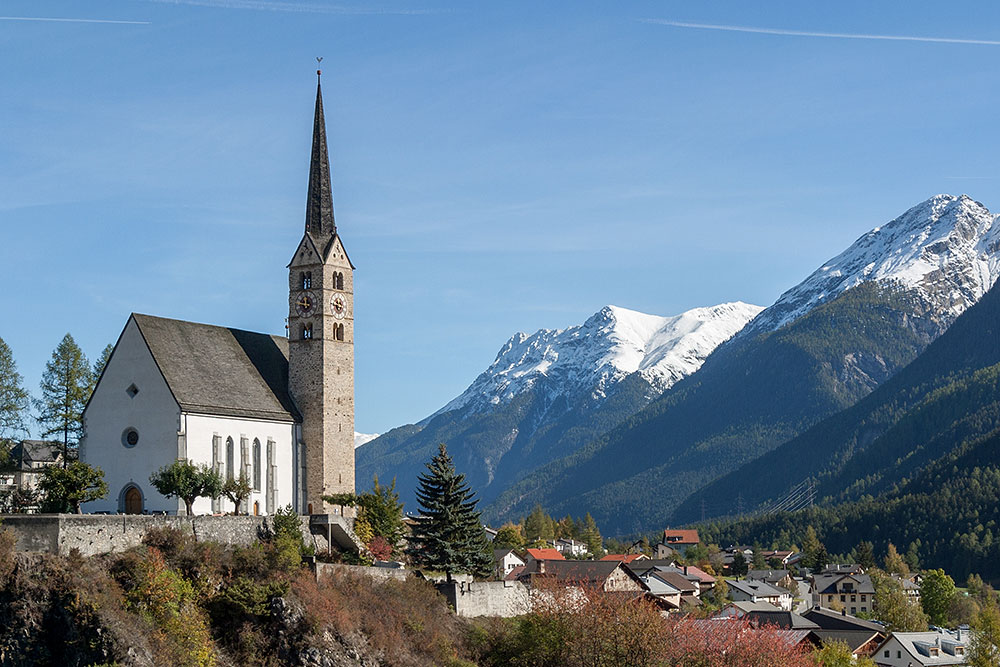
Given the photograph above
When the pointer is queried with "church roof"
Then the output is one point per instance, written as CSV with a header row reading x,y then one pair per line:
x,y
221,371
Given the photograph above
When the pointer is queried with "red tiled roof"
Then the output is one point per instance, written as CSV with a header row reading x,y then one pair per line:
x,y
703,576
624,558
545,554
680,536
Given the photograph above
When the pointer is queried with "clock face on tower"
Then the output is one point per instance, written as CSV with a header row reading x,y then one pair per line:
x,y
338,305
305,304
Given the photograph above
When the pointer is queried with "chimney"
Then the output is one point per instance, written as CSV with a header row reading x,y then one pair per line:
x,y
843,612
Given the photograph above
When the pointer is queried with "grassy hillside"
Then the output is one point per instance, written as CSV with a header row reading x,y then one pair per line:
x,y
750,396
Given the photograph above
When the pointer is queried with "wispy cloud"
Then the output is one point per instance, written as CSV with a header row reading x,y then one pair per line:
x,y
68,20
296,7
831,35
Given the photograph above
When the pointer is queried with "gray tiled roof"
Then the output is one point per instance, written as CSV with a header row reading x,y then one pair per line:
x,y
40,451
221,371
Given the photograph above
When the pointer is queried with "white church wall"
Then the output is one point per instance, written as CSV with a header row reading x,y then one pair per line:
x,y
152,412
201,429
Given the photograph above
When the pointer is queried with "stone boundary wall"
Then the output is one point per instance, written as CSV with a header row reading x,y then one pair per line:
x,y
93,534
378,574
504,599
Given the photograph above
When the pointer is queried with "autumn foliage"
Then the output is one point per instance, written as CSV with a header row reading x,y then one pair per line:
x,y
579,626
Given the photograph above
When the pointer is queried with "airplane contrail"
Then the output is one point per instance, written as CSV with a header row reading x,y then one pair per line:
x,y
295,7
69,20
833,35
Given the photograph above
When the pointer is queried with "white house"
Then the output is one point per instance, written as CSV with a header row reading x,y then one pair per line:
x,y
759,591
922,649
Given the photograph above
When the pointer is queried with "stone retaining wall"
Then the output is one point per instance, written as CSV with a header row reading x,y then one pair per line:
x,y
93,534
487,598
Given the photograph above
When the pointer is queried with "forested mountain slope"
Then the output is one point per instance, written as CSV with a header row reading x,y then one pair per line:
x,y
948,396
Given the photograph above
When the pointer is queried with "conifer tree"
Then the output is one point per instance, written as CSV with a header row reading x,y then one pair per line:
x,y
13,397
65,389
592,536
449,534
539,525
100,364
865,555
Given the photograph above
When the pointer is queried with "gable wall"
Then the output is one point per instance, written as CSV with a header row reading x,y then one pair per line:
x,y
152,412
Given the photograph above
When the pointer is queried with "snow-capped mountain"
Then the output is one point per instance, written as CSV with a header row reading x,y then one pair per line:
x,y
945,251
612,344
362,438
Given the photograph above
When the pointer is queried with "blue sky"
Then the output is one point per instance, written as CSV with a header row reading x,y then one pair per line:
x,y
496,168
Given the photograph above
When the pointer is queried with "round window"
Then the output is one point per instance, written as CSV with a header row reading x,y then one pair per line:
x,y
130,437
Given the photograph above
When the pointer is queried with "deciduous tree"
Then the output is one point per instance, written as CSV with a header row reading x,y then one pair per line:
x,y
893,607
937,593
984,649
187,481
66,489
894,563
237,489
508,537
449,534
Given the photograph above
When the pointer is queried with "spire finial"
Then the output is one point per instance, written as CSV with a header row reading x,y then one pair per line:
x,y
319,60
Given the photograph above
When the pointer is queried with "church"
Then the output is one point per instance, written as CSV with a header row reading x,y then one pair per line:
x,y
278,409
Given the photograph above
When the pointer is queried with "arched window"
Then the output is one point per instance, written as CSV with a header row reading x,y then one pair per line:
x,y
229,458
340,281
307,279
256,464
307,331
340,331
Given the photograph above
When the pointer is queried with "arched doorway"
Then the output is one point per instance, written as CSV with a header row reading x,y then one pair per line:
x,y
133,501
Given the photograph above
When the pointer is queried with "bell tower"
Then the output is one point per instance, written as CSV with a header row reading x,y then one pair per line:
x,y
321,336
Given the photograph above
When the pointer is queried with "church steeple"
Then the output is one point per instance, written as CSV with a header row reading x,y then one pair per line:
x,y
319,202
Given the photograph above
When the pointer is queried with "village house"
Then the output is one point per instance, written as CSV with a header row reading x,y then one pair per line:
x,y
852,592
676,542
506,560
862,637
765,613
604,576
571,548
779,578
759,591
922,649
625,558
30,458
531,555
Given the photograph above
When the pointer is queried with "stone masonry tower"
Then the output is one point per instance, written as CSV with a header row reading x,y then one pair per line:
x,y
321,336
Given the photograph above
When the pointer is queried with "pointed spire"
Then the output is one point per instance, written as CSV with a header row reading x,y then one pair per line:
x,y
319,202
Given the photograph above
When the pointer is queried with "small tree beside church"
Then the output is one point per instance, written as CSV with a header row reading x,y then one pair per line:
x,y
66,489
237,489
449,534
188,482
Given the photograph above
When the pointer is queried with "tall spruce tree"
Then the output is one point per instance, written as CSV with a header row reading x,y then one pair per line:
x,y
65,389
449,535
13,397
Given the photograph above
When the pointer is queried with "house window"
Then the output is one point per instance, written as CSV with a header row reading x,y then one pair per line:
x,y
307,331
256,464
853,598
863,598
899,655
886,653
854,610
306,279
229,458
843,598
